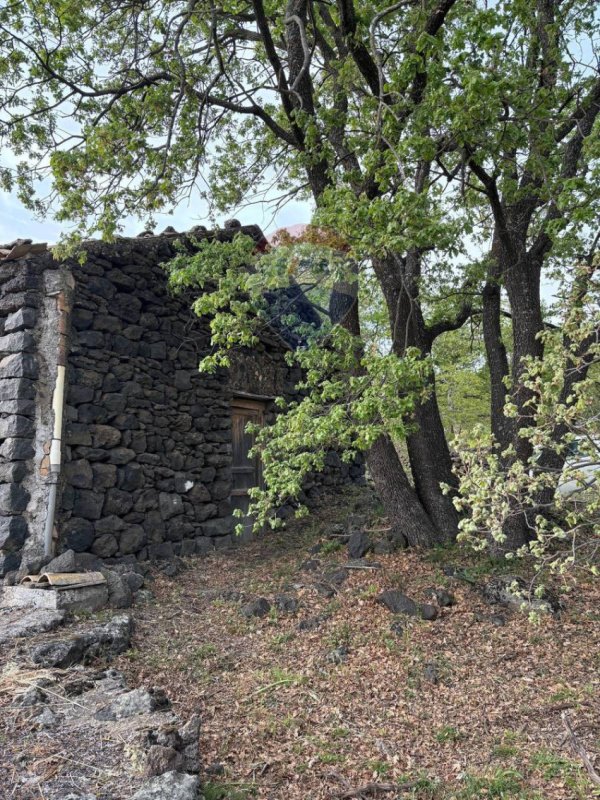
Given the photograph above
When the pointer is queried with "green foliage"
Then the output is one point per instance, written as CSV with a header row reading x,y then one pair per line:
x,y
559,493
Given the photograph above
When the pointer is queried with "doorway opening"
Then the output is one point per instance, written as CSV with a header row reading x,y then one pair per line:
x,y
246,470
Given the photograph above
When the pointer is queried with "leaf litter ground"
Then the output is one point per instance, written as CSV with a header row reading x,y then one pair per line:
x,y
348,708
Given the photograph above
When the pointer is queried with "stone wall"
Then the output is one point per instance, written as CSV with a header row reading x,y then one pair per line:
x,y
147,438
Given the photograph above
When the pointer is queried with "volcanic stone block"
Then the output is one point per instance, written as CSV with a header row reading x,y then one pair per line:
x,y
88,504
13,472
171,505
21,406
132,539
16,426
105,436
21,319
16,389
105,546
105,476
19,365
13,499
218,527
79,474
13,532
21,342
117,502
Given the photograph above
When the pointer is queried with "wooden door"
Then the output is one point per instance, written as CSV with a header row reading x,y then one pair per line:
x,y
246,470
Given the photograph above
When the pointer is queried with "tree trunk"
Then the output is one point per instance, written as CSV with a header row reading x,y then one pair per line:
x,y
431,467
429,454
400,502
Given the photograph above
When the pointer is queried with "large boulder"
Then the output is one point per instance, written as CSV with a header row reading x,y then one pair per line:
x,y
169,786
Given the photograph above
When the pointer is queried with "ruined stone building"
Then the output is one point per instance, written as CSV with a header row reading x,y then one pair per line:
x,y
153,454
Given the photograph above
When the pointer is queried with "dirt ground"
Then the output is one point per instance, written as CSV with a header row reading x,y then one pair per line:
x,y
461,707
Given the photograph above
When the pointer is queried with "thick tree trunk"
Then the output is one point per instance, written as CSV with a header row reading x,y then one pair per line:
x,y
400,502
428,451
431,466
402,505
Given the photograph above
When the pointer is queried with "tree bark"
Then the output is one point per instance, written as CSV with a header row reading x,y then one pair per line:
x,y
400,502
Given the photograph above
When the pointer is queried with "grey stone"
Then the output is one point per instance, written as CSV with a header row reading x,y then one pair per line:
x,y
88,504
16,426
17,450
339,655
105,545
170,786
79,474
171,505
105,436
65,562
21,319
130,704
85,598
398,603
13,498
134,581
39,620
20,342
117,502
359,545
46,719
312,623
161,759
119,593
431,672
62,653
78,534
286,603
13,532
256,608
443,598
19,365
190,732
514,592
132,539
34,696
429,612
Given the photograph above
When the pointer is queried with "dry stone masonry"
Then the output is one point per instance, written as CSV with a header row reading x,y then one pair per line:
x,y
146,445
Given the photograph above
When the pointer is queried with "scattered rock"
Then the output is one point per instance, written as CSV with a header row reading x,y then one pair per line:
x,y
135,581
215,769
316,548
359,545
431,672
144,597
513,592
77,687
312,623
398,603
336,577
15,624
310,565
339,655
161,759
256,608
46,719
190,732
34,696
119,592
137,701
495,619
171,785
286,603
443,598
429,612
99,641
398,627
231,596
325,589
62,653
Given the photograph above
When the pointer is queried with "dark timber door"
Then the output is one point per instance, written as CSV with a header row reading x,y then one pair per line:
x,y
246,471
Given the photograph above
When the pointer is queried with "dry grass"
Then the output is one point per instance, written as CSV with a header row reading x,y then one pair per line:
x,y
287,723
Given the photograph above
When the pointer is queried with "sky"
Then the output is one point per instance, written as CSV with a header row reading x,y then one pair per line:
x,y
17,222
